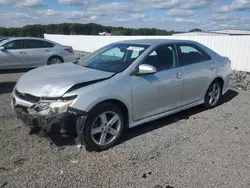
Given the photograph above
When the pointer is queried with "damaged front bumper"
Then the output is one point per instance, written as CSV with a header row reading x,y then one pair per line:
x,y
42,113
39,116
43,122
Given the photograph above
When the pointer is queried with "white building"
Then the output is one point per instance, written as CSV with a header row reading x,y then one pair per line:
x,y
215,33
199,34
233,32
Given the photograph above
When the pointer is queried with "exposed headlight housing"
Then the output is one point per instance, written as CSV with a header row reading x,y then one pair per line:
x,y
48,107
60,106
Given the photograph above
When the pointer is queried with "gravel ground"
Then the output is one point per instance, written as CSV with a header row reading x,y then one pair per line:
x,y
194,148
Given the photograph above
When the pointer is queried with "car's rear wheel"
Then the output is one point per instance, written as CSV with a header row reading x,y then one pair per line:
x,y
55,60
213,95
104,127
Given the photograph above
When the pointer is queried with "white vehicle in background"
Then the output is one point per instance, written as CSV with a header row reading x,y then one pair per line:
x,y
29,52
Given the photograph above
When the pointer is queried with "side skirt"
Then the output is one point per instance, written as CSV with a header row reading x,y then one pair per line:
x,y
158,116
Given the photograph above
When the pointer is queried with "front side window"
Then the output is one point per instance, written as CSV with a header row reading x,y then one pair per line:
x,y
190,54
113,58
162,58
14,45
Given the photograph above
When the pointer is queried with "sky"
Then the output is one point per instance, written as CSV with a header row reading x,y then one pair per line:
x,y
179,15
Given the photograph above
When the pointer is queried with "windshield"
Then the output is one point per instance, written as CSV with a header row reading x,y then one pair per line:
x,y
113,58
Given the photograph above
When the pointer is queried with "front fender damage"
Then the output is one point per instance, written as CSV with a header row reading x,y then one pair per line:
x,y
81,118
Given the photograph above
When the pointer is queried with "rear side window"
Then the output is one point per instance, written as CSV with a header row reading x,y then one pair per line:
x,y
14,45
46,44
38,44
190,54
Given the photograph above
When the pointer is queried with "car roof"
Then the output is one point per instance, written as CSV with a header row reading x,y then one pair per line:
x,y
155,41
27,38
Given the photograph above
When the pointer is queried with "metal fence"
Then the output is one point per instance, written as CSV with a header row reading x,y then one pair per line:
x,y
237,48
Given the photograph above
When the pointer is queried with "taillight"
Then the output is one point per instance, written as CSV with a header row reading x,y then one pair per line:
x,y
70,50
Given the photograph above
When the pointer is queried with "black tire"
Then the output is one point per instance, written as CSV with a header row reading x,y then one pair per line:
x,y
208,103
92,118
55,60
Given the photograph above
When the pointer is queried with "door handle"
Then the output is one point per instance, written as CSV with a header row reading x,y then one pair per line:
x,y
177,75
212,67
47,50
22,52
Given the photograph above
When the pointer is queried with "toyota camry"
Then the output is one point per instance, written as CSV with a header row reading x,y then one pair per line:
x,y
119,86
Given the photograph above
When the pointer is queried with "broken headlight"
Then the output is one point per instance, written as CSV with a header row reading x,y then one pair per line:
x,y
60,106
46,107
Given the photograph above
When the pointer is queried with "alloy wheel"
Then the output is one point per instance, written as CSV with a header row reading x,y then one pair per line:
x,y
106,128
214,94
55,61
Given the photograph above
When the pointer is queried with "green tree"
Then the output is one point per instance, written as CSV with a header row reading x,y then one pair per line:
x,y
78,29
195,30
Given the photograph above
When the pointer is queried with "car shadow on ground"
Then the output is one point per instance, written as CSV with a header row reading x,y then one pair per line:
x,y
151,126
60,142
6,87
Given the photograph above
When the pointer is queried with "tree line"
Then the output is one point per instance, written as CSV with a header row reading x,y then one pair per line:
x,y
77,29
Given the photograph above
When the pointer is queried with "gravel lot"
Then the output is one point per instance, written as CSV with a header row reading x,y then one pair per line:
x,y
194,148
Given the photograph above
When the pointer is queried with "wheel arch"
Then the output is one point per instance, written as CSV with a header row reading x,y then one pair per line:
x,y
220,80
123,107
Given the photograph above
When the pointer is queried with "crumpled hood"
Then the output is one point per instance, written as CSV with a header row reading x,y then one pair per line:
x,y
56,80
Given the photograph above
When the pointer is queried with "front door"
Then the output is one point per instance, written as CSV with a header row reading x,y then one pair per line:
x,y
13,55
159,92
198,71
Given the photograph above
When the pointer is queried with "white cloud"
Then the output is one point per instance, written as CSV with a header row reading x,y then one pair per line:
x,y
220,17
180,13
185,4
194,4
236,5
15,19
64,16
138,16
22,3
182,20
47,12
15,15
76,2
137,6
114,8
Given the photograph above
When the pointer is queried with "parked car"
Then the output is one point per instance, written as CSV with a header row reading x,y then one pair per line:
x,y
33,52
120,86
2,39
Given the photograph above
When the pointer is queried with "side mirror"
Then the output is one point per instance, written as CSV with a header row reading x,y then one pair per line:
x,y
1,48
146,69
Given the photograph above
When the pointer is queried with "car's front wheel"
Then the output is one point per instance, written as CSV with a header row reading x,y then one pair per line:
x,y
213,95
103,127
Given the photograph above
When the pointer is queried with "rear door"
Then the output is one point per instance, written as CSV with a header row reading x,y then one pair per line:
x,y
199,69
38,52
13,55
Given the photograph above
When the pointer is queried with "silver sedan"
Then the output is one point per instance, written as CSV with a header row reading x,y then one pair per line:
x,y
32,52
120,86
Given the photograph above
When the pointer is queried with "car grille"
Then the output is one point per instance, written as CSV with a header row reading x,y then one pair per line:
x,y
27,97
